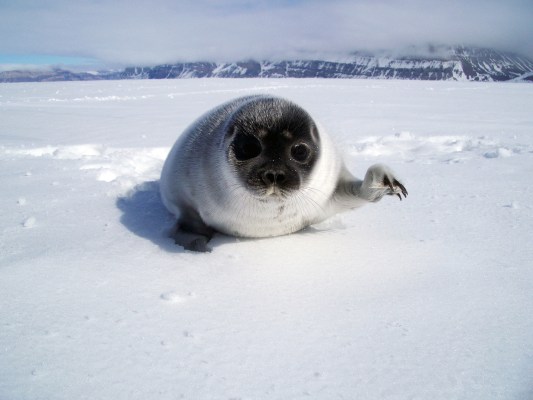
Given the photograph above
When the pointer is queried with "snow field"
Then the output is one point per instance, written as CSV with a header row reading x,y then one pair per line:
x,y
425,298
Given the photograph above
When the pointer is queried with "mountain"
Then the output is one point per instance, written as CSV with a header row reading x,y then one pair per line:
x,y
53,75
435,63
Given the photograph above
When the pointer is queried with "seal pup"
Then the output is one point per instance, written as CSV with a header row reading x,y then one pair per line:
x,y
260,166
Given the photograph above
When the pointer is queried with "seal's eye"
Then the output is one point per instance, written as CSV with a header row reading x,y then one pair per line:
x,y
300,152
246,147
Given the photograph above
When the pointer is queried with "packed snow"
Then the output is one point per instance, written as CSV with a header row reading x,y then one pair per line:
x,y
427,298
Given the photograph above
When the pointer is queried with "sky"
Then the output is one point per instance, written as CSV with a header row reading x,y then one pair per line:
x,y
103,33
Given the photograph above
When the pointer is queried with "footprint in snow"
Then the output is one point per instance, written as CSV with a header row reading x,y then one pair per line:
x,y
29,222
175,297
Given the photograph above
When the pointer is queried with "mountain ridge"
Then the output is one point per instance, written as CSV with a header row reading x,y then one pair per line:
x,y
458,63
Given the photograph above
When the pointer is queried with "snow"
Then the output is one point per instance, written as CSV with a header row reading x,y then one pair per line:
x,y
428,298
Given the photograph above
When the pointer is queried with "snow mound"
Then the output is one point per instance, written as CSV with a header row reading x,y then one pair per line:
x,y
90,99
75,152
125,167
427,149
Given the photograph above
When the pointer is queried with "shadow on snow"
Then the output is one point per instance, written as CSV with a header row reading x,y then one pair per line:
x,y
144,214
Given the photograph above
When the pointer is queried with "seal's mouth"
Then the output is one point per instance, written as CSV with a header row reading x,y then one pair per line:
x,y
273,190
271,193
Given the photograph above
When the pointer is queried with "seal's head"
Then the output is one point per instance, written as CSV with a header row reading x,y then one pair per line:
x,y
273,145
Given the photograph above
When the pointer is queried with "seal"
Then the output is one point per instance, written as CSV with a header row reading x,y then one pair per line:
x,y
260,166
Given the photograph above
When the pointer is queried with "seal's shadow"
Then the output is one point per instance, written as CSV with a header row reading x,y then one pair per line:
x,y
144,214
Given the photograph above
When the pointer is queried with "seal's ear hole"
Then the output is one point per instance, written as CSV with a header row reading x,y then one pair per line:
x,y
300,152
246,147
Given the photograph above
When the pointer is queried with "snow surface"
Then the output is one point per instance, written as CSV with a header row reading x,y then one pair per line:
x,y
428,298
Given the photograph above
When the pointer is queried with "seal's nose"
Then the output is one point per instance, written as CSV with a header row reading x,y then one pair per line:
x,y
272,177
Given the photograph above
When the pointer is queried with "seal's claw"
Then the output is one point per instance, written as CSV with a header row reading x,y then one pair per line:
x,y
402,189
394,187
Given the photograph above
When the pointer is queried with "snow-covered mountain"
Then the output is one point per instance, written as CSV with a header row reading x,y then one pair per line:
x,y
457,63
53,75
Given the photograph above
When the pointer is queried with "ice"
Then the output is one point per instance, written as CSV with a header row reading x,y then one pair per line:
x,y
427,298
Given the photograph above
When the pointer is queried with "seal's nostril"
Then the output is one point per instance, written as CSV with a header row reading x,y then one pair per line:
x,y
270,177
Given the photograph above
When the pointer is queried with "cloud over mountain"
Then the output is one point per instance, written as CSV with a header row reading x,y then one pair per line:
x,y
139,32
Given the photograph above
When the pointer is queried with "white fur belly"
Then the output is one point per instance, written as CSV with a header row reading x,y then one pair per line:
x,y
255,218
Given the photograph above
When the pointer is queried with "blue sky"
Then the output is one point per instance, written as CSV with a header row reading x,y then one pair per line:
x,y
104,33
46,60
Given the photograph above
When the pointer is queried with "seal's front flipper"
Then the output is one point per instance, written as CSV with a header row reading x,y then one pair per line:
x,y
191,241
380,181
192,233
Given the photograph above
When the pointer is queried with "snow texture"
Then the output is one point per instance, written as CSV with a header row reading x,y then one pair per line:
x,y
428,298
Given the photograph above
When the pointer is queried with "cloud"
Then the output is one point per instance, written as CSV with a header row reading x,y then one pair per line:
x,y
148,32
